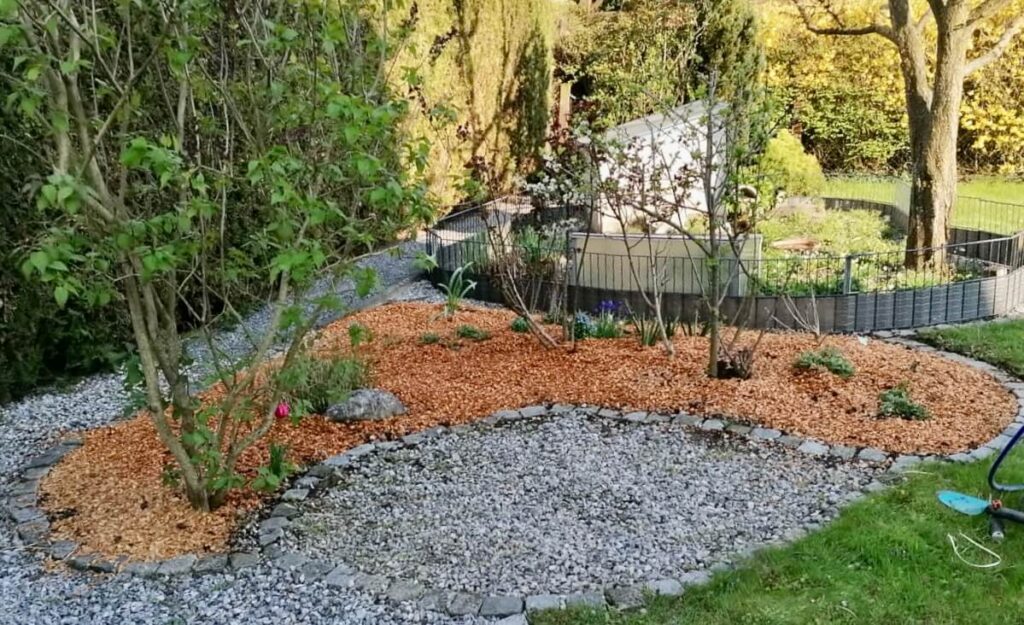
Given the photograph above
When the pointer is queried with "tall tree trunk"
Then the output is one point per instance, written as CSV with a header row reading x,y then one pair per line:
x,y
934,120
932,195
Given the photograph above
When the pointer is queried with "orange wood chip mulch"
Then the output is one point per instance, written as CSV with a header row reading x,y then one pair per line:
x,y
108,495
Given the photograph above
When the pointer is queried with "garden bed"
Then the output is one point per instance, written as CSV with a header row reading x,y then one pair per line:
x,y
109,497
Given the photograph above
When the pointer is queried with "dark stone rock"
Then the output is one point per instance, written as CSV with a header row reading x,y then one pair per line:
x,y
366,405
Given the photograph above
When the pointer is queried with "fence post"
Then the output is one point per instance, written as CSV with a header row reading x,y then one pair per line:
x,y
848,274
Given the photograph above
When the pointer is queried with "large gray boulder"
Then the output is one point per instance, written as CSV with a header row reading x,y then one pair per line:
x,y
366,404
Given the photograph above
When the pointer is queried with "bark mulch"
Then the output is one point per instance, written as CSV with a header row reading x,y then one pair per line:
x,y
109,495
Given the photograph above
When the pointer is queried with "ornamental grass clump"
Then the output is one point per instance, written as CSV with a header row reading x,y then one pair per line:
x,y
828,358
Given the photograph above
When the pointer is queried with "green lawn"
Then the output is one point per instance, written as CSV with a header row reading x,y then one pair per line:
x,y
978,206
999,342
886,559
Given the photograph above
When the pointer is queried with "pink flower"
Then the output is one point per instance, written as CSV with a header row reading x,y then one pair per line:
x,y
283,410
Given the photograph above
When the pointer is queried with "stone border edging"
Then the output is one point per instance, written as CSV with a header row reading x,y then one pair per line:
x,y
33,527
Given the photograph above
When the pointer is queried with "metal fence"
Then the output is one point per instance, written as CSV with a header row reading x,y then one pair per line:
x,y
559,271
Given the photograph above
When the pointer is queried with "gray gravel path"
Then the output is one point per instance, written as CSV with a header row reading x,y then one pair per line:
x,y
567,504
31,596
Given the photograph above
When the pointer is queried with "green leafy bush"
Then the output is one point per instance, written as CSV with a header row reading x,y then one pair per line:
x,y
520,324
472,333
827,358
430,338
896,402
788,167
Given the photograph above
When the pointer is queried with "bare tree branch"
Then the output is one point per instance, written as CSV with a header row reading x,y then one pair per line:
x,y
987,9
841,28
998,49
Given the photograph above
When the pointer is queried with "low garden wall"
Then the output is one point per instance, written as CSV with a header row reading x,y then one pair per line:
x,y
995,286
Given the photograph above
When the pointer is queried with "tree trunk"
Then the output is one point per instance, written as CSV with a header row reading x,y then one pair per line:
x,y
934,120
932,195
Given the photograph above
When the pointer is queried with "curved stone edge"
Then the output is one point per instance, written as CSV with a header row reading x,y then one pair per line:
x,y
514,610
33,527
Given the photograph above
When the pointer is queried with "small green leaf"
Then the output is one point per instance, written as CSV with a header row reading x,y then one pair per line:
x,y
61,295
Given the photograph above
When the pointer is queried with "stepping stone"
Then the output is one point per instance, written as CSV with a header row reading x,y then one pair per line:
x,y
530,412
210,564
274,523
695,578
243,560
666,587
585,599
765,434
501,606
843,452
688,420
813,448
177,566
343,576
295,494
464,604
536,603
625,597
141,569
713,425
285,510
790,441
870,454
402,590
739,429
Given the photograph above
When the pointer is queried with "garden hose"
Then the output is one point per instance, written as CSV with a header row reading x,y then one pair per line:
x,y
996,486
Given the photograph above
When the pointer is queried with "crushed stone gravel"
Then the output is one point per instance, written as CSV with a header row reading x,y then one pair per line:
x,y
567,503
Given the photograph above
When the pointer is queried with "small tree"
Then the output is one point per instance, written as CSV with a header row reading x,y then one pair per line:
x,y
200,149
934,67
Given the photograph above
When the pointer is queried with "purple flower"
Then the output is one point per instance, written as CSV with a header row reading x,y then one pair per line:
x,y
608,307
